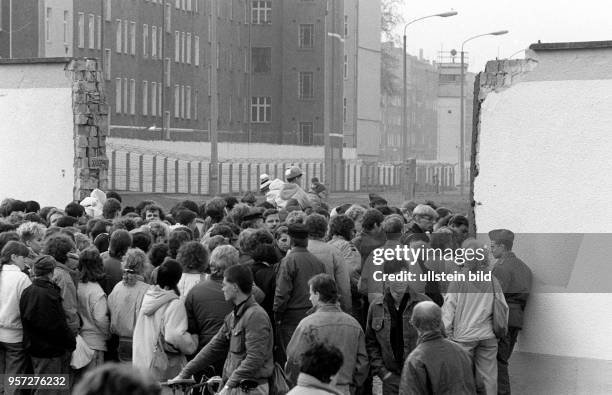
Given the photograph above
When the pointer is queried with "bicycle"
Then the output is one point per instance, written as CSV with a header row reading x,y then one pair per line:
x,y
211,385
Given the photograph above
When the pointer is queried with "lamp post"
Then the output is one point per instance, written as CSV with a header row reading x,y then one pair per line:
x,y
462,110
404,140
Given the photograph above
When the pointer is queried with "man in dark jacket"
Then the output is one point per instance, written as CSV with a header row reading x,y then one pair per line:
x,y
390,337
292,295
46,335
514,277
436,365
245,338
424,217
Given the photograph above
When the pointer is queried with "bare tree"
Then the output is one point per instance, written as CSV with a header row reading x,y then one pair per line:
x,y
391,17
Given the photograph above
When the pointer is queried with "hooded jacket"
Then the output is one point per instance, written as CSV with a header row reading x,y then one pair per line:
x,y
273,195
293,191
162,312
63,277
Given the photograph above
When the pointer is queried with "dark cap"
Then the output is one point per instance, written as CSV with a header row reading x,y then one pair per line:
x,y
503,236
44,264
298,231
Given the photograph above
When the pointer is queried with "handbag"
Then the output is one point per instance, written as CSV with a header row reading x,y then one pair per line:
x,y
278,382
500,314
82,354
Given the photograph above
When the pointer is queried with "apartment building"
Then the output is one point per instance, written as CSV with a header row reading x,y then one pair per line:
x,y
279,73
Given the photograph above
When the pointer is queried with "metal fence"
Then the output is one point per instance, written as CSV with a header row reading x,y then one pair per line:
x,y
161,173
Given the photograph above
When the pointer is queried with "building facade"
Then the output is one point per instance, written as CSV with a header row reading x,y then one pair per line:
x,y
449,107
361,71
279,73
421,109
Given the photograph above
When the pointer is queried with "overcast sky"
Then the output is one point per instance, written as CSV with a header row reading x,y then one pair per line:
x,y
527,20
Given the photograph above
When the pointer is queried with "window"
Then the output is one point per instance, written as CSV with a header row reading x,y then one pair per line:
x,y
133,38
261,59
345,66
48,24
196,50
107,10
125,96
81,30
145,40
246,60
229,108
188,102
154,98
346,26
153,42
159,99
246,13
177,46
261,12
344,109
168,64
306,85
261,109
306,133
159,43
209,79
218,54
183,101
195,101
177,101
182,47
99,45
306,35
91,31
177,4
196,5
209,29
133,97
118,95
183,7
188,5
107,64
168,17
145,97
118,39
188,56
125,36
66,25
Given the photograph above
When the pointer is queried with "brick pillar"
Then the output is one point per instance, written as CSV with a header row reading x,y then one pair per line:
x,y
90,110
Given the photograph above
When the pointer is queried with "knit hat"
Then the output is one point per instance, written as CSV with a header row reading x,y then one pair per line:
x,y
264,181
44,264
293,172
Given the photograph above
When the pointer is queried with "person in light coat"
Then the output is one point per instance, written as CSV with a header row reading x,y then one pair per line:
x,y
467,314
125,301
12,284
163,319
92,305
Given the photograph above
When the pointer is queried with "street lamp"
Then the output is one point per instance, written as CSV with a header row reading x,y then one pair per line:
x,y
405,103
462,110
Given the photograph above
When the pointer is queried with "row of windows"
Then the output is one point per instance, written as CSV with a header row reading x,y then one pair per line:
x,y
151,93
182,48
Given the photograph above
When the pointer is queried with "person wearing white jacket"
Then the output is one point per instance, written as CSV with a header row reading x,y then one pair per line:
x,y
12,284
163,317
467,314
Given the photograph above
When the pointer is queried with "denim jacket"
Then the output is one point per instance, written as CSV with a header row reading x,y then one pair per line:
x,y
378,334
329,324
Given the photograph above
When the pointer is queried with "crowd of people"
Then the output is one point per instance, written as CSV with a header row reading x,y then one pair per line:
x,y
253,289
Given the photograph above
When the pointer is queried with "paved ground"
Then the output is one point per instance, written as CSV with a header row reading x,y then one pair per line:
x,y
451,200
